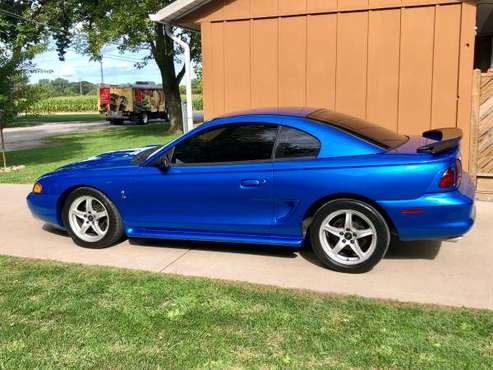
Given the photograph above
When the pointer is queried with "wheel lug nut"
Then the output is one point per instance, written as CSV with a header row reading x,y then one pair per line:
x,y
341,233
344,241
352,241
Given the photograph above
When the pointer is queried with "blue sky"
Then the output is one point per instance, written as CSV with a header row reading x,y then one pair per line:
x,y
78,67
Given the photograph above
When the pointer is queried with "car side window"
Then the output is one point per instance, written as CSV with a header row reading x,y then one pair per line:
x,y
293,143
243,142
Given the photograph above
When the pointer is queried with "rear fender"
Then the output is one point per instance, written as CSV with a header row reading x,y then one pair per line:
x,y
445,161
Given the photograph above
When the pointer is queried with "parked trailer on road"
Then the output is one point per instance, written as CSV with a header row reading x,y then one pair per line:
x,y
139,102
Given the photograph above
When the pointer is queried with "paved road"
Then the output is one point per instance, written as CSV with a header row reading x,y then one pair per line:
x,y
17,138
456,274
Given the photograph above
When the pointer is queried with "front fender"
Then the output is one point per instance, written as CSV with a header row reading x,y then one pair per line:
x,y
57,186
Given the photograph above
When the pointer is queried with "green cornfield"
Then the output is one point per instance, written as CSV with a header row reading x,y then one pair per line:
x,y
67,104
86,103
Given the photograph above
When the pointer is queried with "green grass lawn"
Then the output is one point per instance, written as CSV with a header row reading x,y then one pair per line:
x,y
55,315
75,147
33,120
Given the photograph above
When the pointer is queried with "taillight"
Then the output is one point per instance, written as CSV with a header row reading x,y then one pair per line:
x,y
448,178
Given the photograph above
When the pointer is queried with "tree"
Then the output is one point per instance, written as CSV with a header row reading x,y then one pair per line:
x,y
21,38
127,25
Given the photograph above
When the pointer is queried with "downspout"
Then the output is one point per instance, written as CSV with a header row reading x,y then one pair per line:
x,y
188,74
188,125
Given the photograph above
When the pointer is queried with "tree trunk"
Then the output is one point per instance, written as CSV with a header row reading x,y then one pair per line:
x,y
164,55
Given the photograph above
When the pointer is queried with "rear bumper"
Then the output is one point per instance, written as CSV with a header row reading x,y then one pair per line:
x,y
118,115
443,216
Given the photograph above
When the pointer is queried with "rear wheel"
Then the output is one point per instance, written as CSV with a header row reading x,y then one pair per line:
x,y
143,119
91,219
165,116
349,236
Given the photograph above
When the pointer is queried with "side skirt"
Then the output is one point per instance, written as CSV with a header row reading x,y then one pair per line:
x,y
213,237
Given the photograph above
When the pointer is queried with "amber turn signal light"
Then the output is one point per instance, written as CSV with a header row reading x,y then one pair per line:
x,y
37,188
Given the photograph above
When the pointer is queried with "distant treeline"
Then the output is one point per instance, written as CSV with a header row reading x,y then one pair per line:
x,y
62,87
196,88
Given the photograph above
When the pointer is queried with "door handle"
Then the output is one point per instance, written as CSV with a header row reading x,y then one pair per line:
x,y
253,183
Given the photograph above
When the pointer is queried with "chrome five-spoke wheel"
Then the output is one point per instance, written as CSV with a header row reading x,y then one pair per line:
x,y
88,218
91,219
348,236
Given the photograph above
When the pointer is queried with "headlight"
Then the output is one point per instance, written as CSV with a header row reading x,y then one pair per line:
x,y
37,188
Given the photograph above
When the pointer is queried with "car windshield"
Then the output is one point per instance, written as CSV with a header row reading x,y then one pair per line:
x,y
368,131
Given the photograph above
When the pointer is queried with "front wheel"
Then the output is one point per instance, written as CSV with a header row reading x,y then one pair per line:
x,y
349,236
91,219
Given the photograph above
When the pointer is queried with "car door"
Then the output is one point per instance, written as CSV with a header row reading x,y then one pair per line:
x,y
295,153
219,181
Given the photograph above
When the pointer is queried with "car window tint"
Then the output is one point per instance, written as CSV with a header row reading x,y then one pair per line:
x,y
232,143
294,143
368,131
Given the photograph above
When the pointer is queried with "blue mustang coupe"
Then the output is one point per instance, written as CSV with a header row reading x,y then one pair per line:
x,y
275,177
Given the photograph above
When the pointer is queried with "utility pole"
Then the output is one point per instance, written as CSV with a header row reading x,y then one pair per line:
x,y
80,87
101,68
2,124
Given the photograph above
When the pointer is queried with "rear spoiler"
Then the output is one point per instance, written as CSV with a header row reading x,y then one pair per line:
x,y
447,139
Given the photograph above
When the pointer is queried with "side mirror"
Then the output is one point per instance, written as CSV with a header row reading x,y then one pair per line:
x,y
164,163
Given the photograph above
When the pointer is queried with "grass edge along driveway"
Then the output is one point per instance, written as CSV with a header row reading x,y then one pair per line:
x,y
69,148
55,315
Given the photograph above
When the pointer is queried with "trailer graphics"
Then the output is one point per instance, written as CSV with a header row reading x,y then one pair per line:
x,y
139,102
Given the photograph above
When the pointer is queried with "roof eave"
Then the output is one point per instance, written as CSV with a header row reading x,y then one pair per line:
x,y
176,11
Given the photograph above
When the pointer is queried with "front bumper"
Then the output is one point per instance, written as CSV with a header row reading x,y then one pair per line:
x,y
444,215
45,208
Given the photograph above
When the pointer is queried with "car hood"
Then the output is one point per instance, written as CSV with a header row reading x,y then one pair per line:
x,y
117,158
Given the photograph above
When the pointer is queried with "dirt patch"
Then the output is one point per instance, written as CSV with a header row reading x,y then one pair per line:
x,y
11,169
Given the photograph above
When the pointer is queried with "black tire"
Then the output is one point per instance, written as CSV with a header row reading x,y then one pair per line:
x,y
143,119
164,116
114,229
376,249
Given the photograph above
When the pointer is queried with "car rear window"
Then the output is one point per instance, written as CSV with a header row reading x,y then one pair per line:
x,y
368,131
